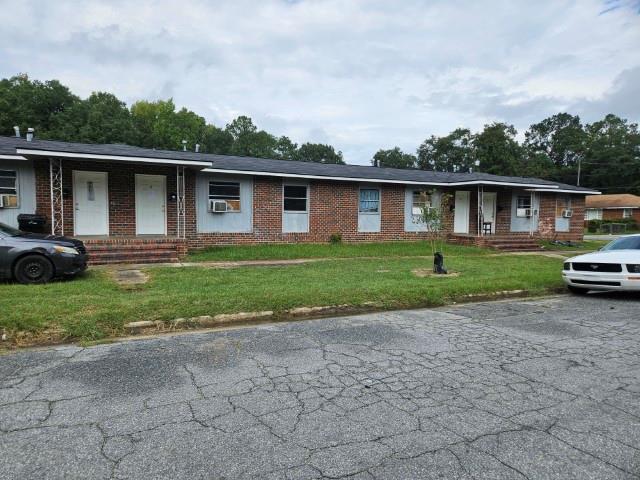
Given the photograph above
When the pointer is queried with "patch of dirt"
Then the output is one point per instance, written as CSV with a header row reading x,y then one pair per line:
x,y
428,272
126,277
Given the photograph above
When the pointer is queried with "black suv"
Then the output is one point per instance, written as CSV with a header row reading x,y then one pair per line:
x,y
37,258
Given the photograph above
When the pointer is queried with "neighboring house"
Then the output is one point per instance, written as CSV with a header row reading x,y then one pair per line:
x,y
621,206
143,204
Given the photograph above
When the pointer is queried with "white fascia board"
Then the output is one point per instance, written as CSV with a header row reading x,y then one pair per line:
x,y
610,208
119,158
12,157
560,190
367,180
318,177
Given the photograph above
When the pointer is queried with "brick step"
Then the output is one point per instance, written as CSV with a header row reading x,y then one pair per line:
x,y
126,254
118,261
122,247
518,247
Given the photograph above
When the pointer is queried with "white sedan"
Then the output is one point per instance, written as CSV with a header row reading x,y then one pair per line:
x,y
616,266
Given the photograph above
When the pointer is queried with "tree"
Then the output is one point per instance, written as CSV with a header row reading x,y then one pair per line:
x,y
158,125
27,103
249,141
101,118
497,151
286,149
612,156
452,153
216,140
320,153
561,138
394,158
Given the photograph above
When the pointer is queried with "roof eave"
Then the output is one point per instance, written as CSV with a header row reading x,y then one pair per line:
x,y
117,158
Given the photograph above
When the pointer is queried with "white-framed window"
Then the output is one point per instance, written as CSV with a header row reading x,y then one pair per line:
x,y
295,198
627,212
369,200
420,200
523,206
593,214
9,189
228,192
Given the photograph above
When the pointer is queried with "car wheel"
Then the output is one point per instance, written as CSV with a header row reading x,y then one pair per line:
x,y
577,290
33,269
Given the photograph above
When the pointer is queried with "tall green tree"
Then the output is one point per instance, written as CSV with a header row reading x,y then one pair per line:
x,y
497,151
216,140
101,118
451,153
393,158
158,125
30,103
249,141
561,138
286,149
612,156
320,153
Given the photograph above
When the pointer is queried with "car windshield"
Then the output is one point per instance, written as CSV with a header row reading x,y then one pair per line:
x,y
624,243
9,231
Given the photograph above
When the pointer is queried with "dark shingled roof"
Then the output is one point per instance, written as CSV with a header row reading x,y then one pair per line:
x,y
8,146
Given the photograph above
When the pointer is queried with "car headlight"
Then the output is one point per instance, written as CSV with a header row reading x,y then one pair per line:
x,y
567,266
69,250
633,268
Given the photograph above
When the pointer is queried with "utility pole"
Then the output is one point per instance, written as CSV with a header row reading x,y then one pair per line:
x,y
579,161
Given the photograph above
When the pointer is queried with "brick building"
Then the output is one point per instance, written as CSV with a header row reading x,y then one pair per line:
x,y
130,203
621,206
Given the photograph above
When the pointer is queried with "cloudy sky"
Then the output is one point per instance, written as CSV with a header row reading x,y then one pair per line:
x,y
358,74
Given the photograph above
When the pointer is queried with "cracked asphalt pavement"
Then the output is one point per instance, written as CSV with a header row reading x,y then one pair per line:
x,y
535,389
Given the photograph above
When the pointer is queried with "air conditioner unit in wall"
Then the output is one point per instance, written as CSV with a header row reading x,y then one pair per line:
x,y
218,206
567,213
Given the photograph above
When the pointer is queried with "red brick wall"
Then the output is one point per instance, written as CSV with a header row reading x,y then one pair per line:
x,y
548,218
333,208
617,214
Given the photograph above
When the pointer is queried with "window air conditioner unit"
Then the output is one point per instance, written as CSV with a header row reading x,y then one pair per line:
x,y
567,213
523,212
217,206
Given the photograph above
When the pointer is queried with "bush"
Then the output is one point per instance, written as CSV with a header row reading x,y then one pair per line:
x,y
594,226
335,238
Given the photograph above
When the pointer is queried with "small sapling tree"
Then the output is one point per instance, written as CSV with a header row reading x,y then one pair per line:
x,y
433,216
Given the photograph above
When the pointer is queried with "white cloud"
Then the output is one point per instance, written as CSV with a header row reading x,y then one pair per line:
x,y
360,75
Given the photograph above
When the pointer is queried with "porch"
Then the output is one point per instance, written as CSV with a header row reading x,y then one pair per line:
x,y
496,217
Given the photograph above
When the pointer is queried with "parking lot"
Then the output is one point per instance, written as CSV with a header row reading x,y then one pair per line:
x,y
536,389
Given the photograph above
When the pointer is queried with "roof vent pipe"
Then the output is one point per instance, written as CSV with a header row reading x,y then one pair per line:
x,y
17,130
197,147
184,145
29,134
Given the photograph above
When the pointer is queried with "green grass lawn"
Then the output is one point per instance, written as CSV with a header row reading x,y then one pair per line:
x,y
93,306
586,245
326,250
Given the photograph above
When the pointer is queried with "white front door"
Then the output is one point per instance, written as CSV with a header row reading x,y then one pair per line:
x,y
489,209
151,205
91,204
461,217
